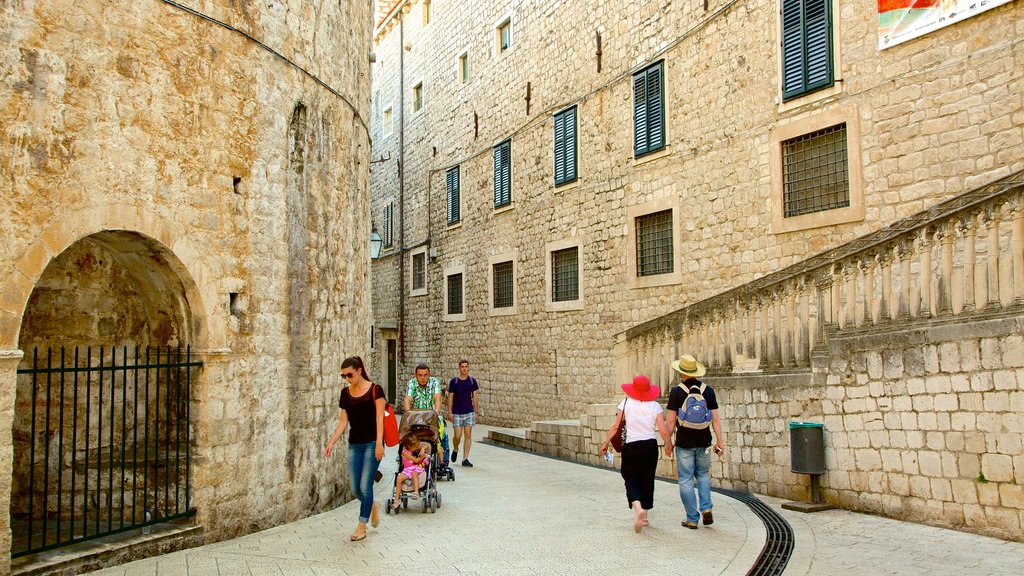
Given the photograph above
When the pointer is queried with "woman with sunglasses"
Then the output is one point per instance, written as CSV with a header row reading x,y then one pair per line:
x,y
362,405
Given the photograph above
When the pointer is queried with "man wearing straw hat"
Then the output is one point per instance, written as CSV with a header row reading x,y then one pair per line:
x,y
693,438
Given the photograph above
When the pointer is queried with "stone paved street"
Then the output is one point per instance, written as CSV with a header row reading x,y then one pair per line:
x,y
516,513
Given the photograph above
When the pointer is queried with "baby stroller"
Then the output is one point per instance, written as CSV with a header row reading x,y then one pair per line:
x,y
424,425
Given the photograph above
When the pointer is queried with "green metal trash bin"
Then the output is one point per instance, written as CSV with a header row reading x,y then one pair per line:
x,y
807,447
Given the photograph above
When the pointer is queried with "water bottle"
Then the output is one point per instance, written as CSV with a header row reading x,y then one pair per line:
x,y
608,456
149,517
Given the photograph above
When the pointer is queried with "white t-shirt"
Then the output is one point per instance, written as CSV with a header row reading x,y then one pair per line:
x,y
641,419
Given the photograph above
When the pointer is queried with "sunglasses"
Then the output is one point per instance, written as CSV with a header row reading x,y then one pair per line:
x,y
348,375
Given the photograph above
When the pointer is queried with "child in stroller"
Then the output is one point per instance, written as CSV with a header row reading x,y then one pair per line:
x,y
414,456
419,430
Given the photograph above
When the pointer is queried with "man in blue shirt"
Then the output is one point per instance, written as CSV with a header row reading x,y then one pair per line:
x,y
462,409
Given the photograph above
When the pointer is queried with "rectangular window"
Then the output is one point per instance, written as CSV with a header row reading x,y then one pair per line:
x,y
504,36
426,13
417,97
649,110
565,146
503,174
504,293
388,129
455,294
565,275
452,196
815,174
654,253
464,67
389,224
419,271
806,47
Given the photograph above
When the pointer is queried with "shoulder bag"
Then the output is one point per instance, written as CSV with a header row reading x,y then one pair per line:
x,y
619,436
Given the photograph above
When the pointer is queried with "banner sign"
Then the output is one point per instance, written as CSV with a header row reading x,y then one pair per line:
x,y
902,20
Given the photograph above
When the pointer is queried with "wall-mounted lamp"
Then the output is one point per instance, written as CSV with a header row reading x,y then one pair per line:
x,y
375,243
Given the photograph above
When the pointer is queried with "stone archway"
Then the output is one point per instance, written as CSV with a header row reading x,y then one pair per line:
x,y
102,436
153,268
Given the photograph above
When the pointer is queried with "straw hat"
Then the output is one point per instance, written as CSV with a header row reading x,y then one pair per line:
x,y
688,366
641,389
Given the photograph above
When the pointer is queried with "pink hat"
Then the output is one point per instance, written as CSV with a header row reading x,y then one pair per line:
x,y
641,389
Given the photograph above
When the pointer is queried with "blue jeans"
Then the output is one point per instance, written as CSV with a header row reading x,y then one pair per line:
x,y
362,466
694,463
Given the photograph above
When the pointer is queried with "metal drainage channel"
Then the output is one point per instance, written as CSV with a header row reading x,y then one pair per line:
x,y
778,546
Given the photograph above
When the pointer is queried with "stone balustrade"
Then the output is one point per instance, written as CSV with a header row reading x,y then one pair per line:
x,y
963,256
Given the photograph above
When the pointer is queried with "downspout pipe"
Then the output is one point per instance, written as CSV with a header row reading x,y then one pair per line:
x,y
401,187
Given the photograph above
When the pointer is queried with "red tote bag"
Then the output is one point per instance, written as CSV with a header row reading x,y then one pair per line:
x,y
390,423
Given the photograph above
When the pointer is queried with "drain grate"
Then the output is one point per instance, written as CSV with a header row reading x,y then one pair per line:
x,y
778,546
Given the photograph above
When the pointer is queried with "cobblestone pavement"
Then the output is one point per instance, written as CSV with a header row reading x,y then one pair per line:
x,y
521,514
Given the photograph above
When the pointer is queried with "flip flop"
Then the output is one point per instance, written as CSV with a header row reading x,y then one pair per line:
x,y
357,537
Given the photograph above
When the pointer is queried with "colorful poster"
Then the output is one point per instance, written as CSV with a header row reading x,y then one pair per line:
x,y
902,20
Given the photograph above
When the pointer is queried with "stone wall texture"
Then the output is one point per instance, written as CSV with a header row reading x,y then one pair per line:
x,y
922,422
937,117
203,166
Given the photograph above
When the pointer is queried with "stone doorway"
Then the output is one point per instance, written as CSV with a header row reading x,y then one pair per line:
x,y
112,425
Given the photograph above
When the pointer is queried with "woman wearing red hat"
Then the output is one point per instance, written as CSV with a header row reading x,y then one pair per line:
x,y
643,417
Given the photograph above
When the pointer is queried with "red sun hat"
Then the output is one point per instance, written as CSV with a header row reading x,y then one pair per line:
x,y
640,388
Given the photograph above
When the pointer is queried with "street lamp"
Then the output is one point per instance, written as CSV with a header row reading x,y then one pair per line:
x,y
375,243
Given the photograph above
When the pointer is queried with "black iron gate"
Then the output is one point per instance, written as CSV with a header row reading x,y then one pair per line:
x,y
104,446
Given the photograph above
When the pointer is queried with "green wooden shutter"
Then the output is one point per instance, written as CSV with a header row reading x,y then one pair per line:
x,y
503,174
559,148
639,114
565,146
452,185
806,46
655,109
570,144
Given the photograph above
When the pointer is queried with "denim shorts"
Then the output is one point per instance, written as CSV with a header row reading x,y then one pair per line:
x,y
462,420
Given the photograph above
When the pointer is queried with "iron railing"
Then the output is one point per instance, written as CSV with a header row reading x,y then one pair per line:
x,y
106,444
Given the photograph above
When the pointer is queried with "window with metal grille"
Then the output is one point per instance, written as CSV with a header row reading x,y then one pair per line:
x,y
654,250
565,146
503,174
389,224
452,193
649,110
815,173
565,275
806,47
419,271
455,294
504,292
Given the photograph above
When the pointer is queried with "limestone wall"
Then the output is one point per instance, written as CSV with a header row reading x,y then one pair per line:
x,y
237,168
937,116
922,423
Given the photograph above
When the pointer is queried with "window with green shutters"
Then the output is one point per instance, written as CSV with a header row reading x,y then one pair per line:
x,y
649,110
389,224
503,174
654,253
504,292
806,47
452,196
565,275
565,146
455,294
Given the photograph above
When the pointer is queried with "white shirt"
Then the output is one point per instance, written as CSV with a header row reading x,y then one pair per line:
x,y
641,419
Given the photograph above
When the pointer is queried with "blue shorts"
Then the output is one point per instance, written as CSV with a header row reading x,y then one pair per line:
x,y
463,420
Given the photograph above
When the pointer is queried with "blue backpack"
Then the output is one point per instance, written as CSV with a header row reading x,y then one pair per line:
x,y
694,413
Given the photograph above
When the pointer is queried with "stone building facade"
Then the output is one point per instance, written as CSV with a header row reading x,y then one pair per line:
x,y
926,120
188,175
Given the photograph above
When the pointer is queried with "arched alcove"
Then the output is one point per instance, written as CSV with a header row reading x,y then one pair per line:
x,y
101,432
